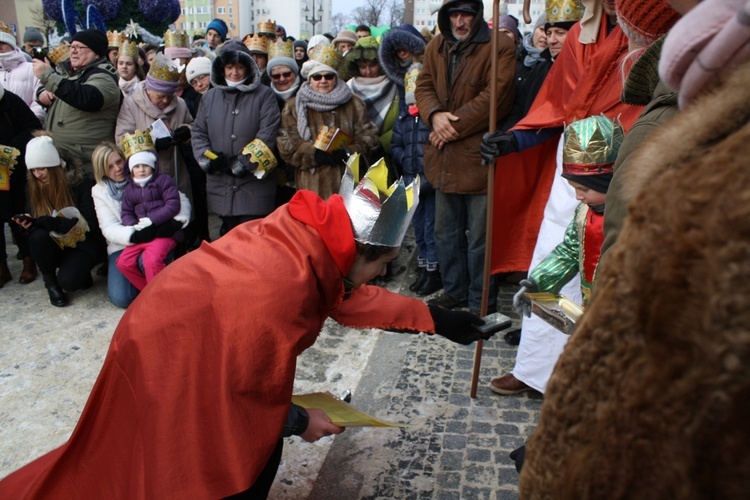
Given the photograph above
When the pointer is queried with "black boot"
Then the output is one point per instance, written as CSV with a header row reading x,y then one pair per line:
x,y
421,277
432,283
56,295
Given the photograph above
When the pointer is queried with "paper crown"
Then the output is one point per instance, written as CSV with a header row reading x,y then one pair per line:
x,y
76,234
130,49
267,27
260,154
176,39
327,55
281,48
137,143
163,69
256,43
115,38
591,145
8,157
380,214
4,28
560,11
57,54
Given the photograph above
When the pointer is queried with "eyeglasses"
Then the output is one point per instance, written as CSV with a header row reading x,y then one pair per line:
x,y
78,48
319,76
279,76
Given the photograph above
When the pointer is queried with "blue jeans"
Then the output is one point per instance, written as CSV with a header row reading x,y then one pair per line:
x,y
121,292
460,226
424,226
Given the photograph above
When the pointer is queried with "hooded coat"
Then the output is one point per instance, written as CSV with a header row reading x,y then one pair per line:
x,y
228,119
457,168
18,76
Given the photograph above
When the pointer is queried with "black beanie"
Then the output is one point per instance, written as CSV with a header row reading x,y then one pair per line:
x,y
96,40
599,182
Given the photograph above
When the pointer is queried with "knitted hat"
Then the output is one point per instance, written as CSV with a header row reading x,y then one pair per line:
x,y
32,35
42,153
509,23
650,19
219,26
197,67
94,39
142,158
317,40
6,35
312,67
301,43
345,36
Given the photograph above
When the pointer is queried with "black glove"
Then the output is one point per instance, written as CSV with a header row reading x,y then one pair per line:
x,y
239,166
497,144
340,156
167,229
181,134
144,235
60,225
163,143
456,326
324,158
521,303
217,165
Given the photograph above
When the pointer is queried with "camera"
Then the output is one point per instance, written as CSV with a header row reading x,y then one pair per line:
x,y
39,53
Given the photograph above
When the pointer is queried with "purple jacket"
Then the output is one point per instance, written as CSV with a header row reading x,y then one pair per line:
x,y
159,200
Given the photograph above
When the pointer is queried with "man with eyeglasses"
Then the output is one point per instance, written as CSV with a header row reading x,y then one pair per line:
x,y
84,99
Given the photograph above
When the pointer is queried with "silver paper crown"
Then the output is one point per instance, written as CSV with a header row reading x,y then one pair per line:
x,y
380,214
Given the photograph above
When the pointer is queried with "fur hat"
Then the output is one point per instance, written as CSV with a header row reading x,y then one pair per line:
x,y
6,35
647,20
42,153
197,67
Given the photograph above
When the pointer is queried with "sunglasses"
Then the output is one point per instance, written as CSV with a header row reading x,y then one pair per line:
x,y
279,76
319,76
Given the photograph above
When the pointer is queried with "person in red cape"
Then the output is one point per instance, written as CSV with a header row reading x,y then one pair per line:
x,y
534,205
196,387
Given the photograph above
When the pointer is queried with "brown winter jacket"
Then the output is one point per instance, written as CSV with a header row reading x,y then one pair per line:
x,y
457,168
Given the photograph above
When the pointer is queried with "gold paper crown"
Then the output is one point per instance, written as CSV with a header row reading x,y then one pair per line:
x,y
256,43
267,27
6,29
115,38
129,48
326,55
561,11
8,157
137,143
410,80
176,39
280,48
76,234
260,154
59,53
380,214
590,144
163,69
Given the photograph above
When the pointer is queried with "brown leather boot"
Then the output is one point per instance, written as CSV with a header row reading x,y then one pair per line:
x,y
4,273
29,271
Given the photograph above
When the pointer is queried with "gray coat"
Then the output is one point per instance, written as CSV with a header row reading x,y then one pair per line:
x,y
228,119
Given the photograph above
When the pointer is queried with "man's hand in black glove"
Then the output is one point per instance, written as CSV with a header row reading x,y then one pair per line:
x,y
144,235
239,166
218,164
340,156
181,134
163,143
457,325
324,158
497,144
167,229
60,225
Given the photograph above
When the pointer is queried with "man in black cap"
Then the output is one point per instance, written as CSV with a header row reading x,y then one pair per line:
x,y
84,99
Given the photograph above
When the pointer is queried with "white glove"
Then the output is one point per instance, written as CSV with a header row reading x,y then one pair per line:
x,y
143,222
521,303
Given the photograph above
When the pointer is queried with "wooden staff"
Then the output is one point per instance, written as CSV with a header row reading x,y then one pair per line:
x,y
491,184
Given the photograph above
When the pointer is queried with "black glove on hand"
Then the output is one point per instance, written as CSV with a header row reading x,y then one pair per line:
x,y
456,326
181,134
497,144
144,235
521,303
324,158
60,225
163,143
167,229
217,165
340,156
239,166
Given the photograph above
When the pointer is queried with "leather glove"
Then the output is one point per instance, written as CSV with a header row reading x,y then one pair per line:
x,y
497,144
143,222
167,229
324,158
340,156
456,326
239,166
163,143
181,134
521,303
219,164
144,235
60,225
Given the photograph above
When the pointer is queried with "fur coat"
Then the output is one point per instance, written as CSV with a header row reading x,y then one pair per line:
x,y
651,397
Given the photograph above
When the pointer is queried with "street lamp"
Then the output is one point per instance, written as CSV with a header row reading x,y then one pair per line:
x,y
313,20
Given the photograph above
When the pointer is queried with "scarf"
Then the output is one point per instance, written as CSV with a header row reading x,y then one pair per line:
x,y
115,189
533,55
127,87
285,95
308,98
377,93
11,60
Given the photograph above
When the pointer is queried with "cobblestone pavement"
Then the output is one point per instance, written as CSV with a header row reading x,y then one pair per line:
x,y
454,447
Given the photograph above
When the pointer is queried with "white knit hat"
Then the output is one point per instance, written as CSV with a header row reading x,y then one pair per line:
x,y
317,40
8,38
42,153
142,158
197,67
311,67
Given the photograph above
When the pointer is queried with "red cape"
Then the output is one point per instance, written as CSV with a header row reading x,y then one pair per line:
x,y
585,80
197,382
